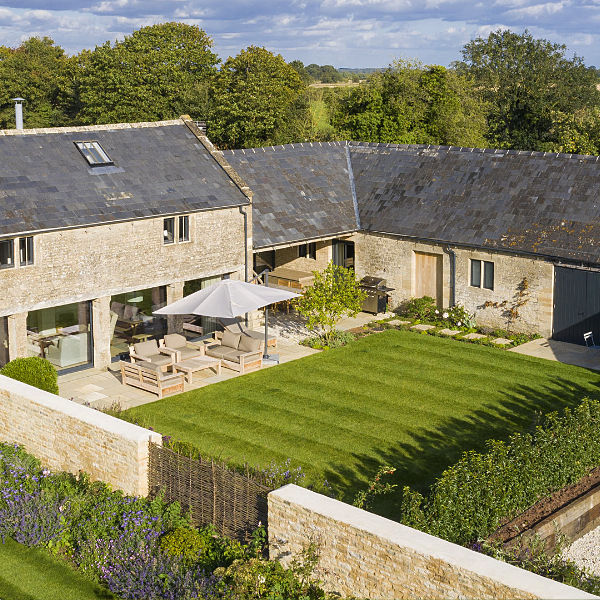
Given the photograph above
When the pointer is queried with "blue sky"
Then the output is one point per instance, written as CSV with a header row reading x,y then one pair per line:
x,y
345,33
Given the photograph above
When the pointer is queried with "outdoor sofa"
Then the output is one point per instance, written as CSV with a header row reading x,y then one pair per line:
x,y
237,351
175,342
150,352
149,377
236,326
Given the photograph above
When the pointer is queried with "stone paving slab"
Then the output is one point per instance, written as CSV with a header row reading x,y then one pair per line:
x,y
398,322
423,327
501,341
449,331
474,336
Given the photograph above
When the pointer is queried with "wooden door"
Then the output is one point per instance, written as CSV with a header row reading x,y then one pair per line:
x,y
428,276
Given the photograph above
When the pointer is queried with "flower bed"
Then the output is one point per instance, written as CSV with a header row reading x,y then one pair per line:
x,y
137,548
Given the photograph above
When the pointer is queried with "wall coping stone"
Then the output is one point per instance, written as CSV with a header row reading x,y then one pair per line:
x,y
86,414
424,543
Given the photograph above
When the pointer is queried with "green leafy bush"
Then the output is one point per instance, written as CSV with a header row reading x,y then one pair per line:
x,y
336,339
472,497
420,308
35,371
458,316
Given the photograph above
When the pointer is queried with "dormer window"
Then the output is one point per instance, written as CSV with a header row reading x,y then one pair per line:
x,y
94,154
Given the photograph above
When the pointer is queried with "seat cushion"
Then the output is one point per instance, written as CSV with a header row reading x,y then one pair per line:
x,y
175,340
231,339
249,344
186,353
147,348
130,312
159,359
220,352
118,308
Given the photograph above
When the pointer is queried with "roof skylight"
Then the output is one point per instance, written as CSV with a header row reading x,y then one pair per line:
x,y
93,153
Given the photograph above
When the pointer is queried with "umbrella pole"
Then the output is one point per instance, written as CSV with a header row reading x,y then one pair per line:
x,y
266,355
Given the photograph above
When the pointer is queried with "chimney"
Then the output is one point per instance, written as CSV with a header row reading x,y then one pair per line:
x,y
18,112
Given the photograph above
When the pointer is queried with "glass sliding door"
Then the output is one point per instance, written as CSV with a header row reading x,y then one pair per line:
x,y
132,319
4,357
343,253
208,324
61,334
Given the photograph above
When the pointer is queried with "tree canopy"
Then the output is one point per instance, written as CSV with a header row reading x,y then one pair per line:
x,y
534,92
256,99
159,72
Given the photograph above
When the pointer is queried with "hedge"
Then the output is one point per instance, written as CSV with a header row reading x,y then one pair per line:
x,y
473,497
35,371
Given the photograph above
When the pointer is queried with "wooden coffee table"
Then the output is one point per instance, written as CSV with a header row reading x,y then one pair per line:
x,y
191,365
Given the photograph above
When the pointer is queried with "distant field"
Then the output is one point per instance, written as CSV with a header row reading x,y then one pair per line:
x,y
398,398
334,85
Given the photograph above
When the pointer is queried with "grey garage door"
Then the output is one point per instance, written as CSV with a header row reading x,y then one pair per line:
x,y
576,305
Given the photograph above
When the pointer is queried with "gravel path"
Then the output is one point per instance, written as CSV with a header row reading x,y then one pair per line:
x,y
585,551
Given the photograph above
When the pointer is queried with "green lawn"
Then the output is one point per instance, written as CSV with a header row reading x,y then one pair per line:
x,y
31,574
413,401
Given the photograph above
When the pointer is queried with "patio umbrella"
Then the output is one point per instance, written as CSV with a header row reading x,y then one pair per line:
x,y
228,298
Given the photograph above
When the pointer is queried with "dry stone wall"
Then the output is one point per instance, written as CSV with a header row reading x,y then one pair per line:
x,y
66,436
367,556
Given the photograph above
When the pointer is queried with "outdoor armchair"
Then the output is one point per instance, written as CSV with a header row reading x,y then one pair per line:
x,y
148,376
178,343
236,351
150,352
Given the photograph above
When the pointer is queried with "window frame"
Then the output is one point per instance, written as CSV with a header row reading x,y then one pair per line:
x,y
183,219
11,243
479,275
166,240
96,147
308,250
29,251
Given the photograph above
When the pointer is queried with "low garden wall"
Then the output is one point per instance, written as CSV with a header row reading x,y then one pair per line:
x,y
69,437
364,555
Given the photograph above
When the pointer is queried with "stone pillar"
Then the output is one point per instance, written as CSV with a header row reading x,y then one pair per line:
x,y
101,331
174,293
17,335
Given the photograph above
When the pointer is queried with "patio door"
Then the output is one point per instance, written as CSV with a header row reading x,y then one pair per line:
x,y
4,356
428,276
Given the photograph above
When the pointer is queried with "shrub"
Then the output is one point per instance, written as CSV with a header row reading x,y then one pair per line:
x,y
35,371
420,308
336,339
472,497
458,316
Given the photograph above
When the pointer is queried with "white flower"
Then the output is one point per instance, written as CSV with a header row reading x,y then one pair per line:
x,y
437,312
459,324
445,315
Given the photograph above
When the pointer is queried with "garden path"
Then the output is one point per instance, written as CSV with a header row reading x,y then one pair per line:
x,y
570,354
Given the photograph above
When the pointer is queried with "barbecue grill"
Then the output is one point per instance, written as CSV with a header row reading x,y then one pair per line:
x,y
377,294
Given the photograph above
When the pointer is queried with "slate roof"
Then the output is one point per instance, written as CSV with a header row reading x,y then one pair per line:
x,y
159,168
300,191
534,202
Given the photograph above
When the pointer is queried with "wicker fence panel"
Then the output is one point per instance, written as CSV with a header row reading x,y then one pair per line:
x,y
213,493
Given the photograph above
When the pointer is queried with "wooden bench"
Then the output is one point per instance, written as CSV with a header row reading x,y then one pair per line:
x,y
150,378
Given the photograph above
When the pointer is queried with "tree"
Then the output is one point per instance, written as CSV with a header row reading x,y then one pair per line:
x,y
158,72
527,83
256,96
299,67
335,293
38,71
410,103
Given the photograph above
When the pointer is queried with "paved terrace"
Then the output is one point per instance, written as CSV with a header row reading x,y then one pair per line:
x,y
101,389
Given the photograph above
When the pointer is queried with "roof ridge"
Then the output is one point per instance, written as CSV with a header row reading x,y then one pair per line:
x,y
78,128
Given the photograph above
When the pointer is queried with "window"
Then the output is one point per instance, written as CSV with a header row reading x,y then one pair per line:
x,y
184,228
26,251
477,266
169,230
93,153
308,250
7,258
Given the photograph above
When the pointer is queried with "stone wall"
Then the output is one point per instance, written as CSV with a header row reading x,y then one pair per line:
x,y
92,262
288,257
394,258
367,556
66,436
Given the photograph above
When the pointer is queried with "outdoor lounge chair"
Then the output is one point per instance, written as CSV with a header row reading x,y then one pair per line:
x,y
149,377
150,352
236,351
236,326
183,349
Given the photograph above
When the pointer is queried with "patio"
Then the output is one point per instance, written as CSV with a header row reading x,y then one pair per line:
x,y
101,389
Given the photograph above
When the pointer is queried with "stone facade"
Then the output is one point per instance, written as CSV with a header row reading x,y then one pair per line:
x,y
66,436
367,556
94,263
288,257
394,258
